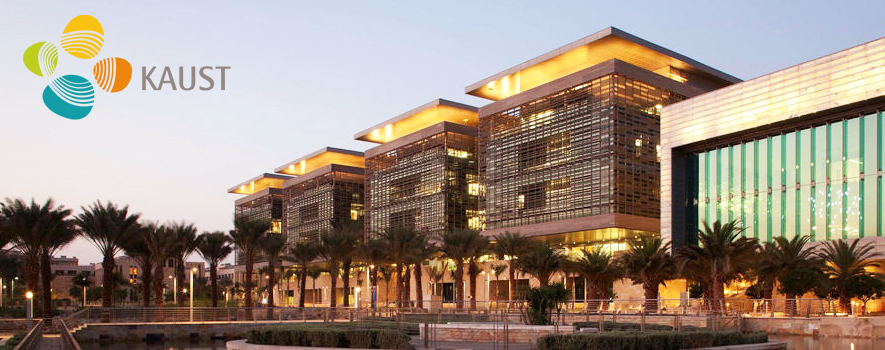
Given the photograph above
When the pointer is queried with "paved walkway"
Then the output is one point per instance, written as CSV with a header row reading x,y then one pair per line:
x,y
50,342
453,345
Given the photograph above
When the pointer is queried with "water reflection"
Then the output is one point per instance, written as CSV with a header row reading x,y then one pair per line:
x,y
175,345
829,343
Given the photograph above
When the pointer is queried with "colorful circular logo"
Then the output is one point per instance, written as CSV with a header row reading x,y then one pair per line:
x,y
72,96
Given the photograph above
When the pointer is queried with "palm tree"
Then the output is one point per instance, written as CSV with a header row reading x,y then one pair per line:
x,y
845,262
214,247
141,253
302,254
107,226
798,268
345,240
246,236
509,246
542,261
82,281
422,249
272,246
386,274
598,268
766,268
647,262
40,231
462,246
186,235
398,242
288,275
315,273
162,244
721,256
497,271
375,255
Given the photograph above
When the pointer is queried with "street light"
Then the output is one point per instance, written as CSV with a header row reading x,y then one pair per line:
x,y
30,311
174,290
193,270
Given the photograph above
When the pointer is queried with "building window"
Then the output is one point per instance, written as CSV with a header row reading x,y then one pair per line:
x,y
405,218
309,212
405,186
532,196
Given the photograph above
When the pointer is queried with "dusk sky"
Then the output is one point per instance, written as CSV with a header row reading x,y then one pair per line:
x,y
305,75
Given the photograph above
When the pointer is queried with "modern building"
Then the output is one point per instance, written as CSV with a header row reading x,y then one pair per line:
x,y
263,200
795,152
569,149
328,187
423,174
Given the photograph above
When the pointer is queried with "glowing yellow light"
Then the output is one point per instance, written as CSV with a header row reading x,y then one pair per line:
x,y
29,295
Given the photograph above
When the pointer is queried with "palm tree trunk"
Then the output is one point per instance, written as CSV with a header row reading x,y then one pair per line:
x,y
271,282
248,283
107,280
419,294
472,290
46,279
407,284
179,275
399,285
459,285
345,276
593,295
303,286
651,297
158,284
512,284
333,276
146,280
213,276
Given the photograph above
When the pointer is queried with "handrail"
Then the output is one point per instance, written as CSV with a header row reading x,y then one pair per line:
x,y
32,339
67,339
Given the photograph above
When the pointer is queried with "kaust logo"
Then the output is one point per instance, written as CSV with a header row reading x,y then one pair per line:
x,y
72,96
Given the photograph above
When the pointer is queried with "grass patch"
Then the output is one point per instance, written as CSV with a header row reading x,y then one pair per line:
x,y
368,335
654,340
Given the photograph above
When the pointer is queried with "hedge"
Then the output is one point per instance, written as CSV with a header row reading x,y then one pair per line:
x,y
624,326
13,341
656,340
332,335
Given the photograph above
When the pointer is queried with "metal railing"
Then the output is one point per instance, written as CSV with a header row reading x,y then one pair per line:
x,y
32,339
67,339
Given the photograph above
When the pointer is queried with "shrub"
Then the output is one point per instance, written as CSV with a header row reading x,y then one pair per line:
x,y
656,340
624,326
335,335
13,341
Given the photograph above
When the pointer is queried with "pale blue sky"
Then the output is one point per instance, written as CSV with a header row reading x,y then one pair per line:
x,y
310,74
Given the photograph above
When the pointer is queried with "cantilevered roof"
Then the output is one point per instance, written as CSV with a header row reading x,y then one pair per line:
x,y
321,158
607,44
258,183
429,114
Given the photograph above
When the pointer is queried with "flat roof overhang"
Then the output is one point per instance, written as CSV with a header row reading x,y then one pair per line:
x,y
607,44
429,114
258,183
322,171
321,158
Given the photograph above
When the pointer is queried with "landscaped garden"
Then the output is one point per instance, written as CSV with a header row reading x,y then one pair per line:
x,y
364,335
654,340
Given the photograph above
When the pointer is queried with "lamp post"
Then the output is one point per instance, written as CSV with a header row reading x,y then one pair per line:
x,y
12,291
1,291
84,296
30,310
174,290
193,270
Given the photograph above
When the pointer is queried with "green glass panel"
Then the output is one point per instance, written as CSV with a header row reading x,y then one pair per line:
x,y
852,139
702,187
870,189
851,213
777,186
730,195
749,172
737,179
715,180
724,189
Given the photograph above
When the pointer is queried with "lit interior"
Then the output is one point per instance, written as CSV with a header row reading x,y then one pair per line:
x,y
258,184
519,78
305,165
404,125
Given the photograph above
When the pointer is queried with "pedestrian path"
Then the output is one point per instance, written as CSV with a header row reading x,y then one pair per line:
x,y
50,342
454,345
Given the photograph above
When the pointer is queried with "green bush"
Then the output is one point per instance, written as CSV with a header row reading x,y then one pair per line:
x,y
13,341
369,335
655,340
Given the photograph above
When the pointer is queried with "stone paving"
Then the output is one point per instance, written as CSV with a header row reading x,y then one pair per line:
x,y
454,345
50,342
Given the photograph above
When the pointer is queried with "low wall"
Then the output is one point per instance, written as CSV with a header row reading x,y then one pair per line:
x,y
137,332
850,327
12,325
486,333
668,320
242,345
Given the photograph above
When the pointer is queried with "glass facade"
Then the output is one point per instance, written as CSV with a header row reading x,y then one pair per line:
x,y
312,205
822,181
431,185
591,149
266,207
